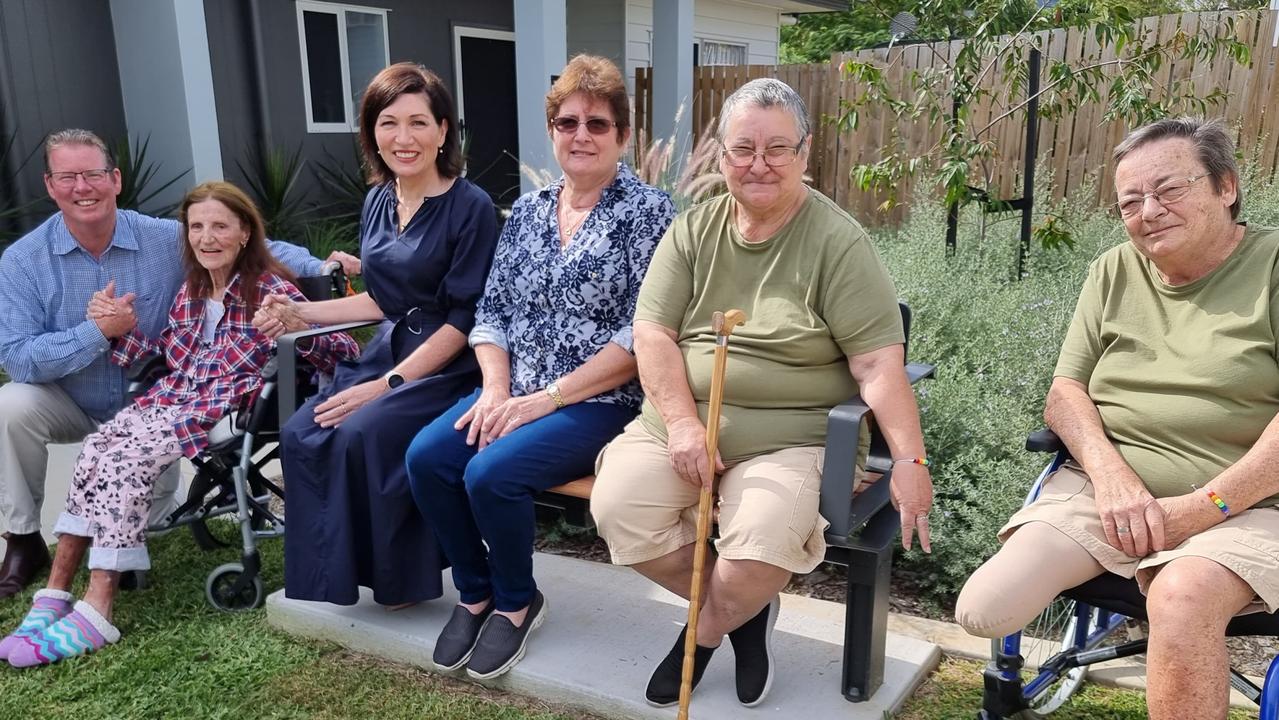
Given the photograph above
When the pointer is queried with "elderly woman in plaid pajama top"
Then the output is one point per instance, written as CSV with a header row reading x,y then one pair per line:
x,y
215,357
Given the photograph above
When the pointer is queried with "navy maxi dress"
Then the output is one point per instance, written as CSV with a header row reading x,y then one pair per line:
x,y
350,514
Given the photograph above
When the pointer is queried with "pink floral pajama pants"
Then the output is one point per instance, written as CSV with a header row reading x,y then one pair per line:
x,y
110,494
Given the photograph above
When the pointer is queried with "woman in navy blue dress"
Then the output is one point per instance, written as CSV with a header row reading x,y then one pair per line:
x,y
427,240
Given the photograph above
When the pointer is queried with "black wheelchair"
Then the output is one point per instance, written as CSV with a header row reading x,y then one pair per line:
x,y
1034,672
229,481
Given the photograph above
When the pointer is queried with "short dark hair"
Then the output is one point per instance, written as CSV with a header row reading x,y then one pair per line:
x,y
1215,149
75,136
408,78
597,77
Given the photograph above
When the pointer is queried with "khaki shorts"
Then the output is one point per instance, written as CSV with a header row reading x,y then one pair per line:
x,y
767,505
1246,543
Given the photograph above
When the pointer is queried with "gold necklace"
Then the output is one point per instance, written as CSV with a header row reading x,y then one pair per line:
x,y
568,229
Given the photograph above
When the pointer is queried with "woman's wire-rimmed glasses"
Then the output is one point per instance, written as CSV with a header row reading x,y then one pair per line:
x,y
773,155
595,126
1170,193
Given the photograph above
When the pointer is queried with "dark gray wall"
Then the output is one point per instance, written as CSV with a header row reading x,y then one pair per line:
x,y
419,30
58,62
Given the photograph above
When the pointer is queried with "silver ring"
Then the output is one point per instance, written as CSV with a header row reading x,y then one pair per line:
x,y
1121,530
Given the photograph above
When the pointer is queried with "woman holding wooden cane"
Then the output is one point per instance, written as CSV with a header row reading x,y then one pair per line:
x,y
824,326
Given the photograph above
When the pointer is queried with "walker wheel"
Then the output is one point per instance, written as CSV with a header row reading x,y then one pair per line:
x,y
221,593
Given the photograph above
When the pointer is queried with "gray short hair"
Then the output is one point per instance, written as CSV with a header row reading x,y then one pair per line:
x,y
1213,146
75,136
765,93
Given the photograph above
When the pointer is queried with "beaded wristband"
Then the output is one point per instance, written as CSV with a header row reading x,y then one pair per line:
x,y
916,461
1216,500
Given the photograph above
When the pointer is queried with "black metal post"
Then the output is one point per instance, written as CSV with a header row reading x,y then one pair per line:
x,y
1032,156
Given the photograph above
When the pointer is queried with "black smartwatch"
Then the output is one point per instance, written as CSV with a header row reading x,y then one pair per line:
x,y
393,379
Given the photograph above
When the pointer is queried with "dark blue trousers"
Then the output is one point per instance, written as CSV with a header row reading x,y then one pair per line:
x,y
484,498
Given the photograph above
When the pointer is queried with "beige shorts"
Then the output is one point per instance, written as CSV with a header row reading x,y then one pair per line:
x,y
1246,543
767,505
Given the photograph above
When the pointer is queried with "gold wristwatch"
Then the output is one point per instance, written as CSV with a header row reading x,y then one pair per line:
x,y
554,391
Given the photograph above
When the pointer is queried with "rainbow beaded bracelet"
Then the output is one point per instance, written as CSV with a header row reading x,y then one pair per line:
x,y
1216,500
916,461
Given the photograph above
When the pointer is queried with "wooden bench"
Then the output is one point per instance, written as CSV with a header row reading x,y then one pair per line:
x,y
863,524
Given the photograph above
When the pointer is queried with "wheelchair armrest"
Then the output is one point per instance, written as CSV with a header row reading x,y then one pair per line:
x,y
918,371
287,360
1044,440
147,368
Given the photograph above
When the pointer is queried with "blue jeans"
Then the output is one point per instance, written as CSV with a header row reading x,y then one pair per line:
x,y
475,498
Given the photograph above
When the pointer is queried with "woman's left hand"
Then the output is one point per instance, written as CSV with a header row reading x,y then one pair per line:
x,y
1186,515
516,413
911,489
333,411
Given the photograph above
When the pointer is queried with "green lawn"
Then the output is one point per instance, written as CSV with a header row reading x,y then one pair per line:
x,y
181,659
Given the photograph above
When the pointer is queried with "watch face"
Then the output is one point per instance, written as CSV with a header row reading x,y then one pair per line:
x,y
394,380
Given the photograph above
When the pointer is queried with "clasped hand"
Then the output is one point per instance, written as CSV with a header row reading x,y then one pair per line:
x,y
277,315
114,316
496,414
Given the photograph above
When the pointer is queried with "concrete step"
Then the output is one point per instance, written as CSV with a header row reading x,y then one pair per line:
x,y
607,628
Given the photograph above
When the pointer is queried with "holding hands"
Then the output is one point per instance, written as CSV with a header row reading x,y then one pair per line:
x,y
279,314
1134,522
114,316
496,414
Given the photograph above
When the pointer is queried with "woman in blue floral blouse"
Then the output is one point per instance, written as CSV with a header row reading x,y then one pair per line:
x,y
553,338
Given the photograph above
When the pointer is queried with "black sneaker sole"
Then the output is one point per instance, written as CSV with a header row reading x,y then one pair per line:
x,y
519,654
467,656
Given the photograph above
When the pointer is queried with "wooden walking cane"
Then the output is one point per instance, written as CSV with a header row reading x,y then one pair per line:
x,y
722,324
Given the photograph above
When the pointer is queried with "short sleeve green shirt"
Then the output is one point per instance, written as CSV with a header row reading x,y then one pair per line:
x,y
1185,377
814,293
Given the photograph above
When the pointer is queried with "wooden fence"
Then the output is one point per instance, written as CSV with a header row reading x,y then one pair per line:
x,y
1076,147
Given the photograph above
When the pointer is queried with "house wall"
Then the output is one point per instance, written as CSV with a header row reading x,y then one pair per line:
x,y
597,27
418,31
57,74
748,24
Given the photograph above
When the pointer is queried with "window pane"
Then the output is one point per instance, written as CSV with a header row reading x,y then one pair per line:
x,y
365,48
324,67
718,53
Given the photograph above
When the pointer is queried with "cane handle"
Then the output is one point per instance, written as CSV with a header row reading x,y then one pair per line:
x,y
722,323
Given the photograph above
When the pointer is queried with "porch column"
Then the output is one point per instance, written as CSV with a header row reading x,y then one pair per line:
x,y
162,48
541,49
673,72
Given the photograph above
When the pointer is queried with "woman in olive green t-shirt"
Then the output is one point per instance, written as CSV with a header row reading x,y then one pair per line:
x,y
823,324
1165,394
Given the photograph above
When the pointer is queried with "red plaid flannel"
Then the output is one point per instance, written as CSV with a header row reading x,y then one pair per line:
x,y
210,380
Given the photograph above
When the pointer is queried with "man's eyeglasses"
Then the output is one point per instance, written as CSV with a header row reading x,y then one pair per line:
x,y
67,179
774,155
1167,194
594,126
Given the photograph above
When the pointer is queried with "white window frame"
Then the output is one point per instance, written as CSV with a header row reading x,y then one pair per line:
x,y
339,9
459,32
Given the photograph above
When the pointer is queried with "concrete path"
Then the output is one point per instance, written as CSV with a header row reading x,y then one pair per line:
x,y
605,632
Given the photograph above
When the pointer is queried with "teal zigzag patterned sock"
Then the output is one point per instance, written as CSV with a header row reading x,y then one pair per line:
x,y
79,633
48,607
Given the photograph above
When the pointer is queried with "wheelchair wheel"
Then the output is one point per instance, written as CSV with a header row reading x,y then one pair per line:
x,y
1054,631
221,593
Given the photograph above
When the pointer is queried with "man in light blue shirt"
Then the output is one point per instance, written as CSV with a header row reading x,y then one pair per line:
x,y
62,381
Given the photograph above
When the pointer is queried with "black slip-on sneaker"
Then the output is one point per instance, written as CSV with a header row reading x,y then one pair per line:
x,y
458,638
663,686
501,644
753,651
